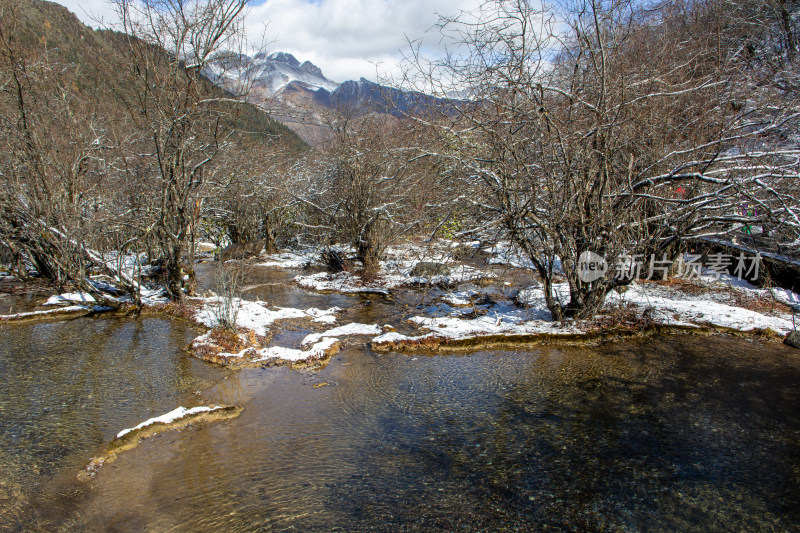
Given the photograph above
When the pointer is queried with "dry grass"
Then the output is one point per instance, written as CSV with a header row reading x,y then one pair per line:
x,y
229,341
627,315
760,303
690,287
175,309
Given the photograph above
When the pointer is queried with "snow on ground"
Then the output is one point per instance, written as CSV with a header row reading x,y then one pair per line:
x,y
663,305
393,275
396,271
292,259
786,297
257,316
154,296
752,250
343,282
175,414
460,298
71,297
148,296
725,281
353,328
503,253
319,350
502,319
673,308
33,314
206,246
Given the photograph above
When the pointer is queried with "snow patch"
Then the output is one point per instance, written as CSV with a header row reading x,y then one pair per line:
x,y
353,328
317,351
71,297
60,310
167,418
257,317
292,260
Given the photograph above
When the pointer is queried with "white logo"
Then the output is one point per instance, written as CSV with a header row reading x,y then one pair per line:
x,y
591,267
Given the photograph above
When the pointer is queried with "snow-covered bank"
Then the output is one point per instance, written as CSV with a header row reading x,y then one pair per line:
x,y
646,305
291,259
176,419
71,297
494,311
257,316
248,346
62,312
72,304
404,265
389,278
342,331
168,418
322,349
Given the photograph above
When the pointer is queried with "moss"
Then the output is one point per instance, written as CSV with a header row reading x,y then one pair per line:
x,y
435,343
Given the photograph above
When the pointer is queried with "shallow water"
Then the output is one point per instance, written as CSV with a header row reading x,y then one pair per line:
x,y
673,434
668,434
68,387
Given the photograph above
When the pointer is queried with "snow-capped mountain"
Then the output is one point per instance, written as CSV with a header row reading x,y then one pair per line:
x,y
269,75
298,94
279,69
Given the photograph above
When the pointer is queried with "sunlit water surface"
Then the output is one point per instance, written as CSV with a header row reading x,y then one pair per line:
x,y
679,434
669,434
66,388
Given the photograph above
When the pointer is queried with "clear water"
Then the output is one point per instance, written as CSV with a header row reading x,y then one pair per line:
x,y
673,434
668,434
66,388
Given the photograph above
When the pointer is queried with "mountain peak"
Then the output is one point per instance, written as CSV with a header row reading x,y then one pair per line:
x,y
270,74
311,68
284,57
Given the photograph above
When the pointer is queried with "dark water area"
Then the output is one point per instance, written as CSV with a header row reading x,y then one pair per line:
x,y
11,304
670,434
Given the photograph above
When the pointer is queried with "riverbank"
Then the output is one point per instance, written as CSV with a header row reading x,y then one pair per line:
x,y
488,303
469,307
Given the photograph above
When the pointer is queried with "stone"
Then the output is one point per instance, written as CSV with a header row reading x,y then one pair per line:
x,y
429,269
793,339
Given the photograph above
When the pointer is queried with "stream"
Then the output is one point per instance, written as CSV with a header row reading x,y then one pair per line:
x,y
683,433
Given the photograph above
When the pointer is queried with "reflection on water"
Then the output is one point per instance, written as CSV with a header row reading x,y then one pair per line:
x,y
10,304
675,434
69,387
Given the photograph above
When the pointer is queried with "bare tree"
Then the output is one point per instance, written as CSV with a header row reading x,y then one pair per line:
x,y
603,127
54,146
187,121
368,188
245,195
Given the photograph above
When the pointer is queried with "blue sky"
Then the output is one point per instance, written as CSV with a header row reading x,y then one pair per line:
x,y
347,39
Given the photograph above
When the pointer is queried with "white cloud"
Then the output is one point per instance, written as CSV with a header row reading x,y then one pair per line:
x,y
345,38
